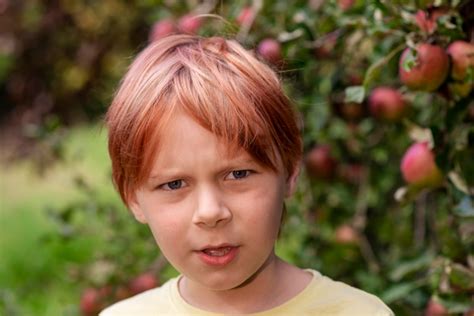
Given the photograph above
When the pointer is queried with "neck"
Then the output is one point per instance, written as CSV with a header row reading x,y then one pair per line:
x,y
275,276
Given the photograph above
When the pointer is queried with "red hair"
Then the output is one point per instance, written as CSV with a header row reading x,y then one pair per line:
x,y
224,87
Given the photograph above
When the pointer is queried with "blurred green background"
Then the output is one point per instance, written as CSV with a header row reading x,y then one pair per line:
x,y
69,247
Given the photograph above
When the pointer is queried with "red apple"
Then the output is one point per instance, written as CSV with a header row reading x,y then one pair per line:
x,y
345,5
270,50
387,103
319,162
418,166
246,16
429,71
345,234
143,282
435,308
189,24
161,29
462,57
91,302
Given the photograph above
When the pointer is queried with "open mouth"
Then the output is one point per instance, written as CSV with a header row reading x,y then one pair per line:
x,y
218,256
217,252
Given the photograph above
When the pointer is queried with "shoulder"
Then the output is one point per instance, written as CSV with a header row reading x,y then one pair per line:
x,y
147,303
338,298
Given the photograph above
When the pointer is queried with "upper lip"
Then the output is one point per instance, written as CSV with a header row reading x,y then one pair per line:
x,y
223,245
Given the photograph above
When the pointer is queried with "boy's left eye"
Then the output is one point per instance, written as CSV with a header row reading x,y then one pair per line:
x,y
239,174
172,185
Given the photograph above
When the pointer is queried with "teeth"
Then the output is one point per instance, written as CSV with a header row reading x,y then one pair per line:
x,y
217,252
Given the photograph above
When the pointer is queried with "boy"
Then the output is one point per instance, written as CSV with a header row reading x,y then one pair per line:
x,y
205,147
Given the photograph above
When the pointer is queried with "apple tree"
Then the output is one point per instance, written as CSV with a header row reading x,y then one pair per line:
x,y
385,92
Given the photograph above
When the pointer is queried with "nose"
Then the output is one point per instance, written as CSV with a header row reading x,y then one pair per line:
x,y
210,208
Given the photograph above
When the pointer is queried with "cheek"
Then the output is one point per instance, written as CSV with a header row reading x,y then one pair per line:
x,y
167,224
265,207
169,238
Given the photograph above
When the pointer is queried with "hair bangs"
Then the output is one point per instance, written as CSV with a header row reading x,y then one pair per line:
x,y
221,101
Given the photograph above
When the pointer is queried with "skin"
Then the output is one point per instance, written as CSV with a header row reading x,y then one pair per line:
x,y
197,196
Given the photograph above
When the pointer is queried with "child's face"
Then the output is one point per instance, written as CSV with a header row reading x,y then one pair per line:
x,y
214,217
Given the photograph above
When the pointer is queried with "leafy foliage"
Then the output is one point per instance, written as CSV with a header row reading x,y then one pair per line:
x,y
362,223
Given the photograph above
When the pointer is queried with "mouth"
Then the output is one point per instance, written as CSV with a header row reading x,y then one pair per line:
x,y
218,251
218,255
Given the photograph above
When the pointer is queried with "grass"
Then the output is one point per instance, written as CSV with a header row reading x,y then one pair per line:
x,y
85,155
32,270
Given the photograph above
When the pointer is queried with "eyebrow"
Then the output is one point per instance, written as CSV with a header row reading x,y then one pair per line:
x,y
230,164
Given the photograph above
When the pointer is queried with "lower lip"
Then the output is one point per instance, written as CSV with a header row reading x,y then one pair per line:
x,y
221,260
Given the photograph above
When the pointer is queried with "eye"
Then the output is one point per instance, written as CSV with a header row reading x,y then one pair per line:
x,y
239,174
172,185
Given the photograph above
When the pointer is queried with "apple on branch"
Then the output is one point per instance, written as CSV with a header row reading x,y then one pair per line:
x,y
419,168
426,70
434,308
91,301
387,103
462,57
270,50
319,162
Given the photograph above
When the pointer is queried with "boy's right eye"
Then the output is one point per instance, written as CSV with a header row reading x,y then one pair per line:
x,y
172,185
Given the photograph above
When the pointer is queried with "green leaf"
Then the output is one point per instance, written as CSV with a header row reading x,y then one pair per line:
x,y
457,112
459,183
375,69
6,63
461,277
409,60
465,208
456,305
398,291
354,94
404,268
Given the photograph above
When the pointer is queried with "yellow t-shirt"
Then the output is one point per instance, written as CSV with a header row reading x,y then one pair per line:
x,y
322,296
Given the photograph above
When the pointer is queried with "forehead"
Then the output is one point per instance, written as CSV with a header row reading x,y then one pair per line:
x,y
183,137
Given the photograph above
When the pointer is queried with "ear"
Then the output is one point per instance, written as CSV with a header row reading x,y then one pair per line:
x,y
292,180
137,211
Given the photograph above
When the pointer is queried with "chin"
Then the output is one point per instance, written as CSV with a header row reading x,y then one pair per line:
x,y
222,282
